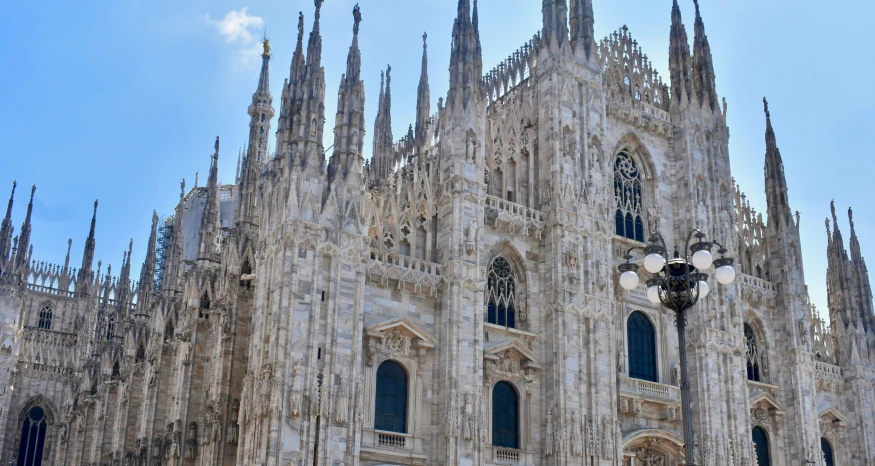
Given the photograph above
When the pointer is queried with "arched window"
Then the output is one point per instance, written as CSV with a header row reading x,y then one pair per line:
x,y
826,448
505,416
33,437
501,294
205,305
753,354
45,317
761,446
116,371
642,347
168,330
391,403
110,328
627,195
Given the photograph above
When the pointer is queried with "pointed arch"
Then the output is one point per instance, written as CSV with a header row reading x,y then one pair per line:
x,y
756,347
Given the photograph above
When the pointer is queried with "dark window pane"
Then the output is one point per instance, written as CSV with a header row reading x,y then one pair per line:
x,y
391,400
505,416
642,347
826,448
761,445
753,354
33,438
500,293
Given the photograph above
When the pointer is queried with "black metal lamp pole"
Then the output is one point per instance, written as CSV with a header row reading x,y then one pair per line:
x,y
677,284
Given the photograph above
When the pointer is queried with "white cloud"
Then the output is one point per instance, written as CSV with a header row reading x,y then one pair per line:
x,y
240,29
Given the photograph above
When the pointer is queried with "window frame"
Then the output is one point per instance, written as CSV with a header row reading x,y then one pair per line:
x,y
517,414
655,346
511,285
46,315
633,218
406,412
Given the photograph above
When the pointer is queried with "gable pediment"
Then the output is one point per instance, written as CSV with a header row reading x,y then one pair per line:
x,y
828,413
768,402
514,349
400,327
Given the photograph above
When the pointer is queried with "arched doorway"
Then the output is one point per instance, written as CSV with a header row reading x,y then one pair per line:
x,y
33,437
761,446
826,448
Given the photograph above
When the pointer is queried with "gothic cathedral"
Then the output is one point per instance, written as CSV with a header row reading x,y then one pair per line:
x,y
454,299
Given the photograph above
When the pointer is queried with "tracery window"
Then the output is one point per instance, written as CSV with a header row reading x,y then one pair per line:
x,y
110,328
826,448
761,446
501,294
45,317
505,416
627,196
33,437
391,401
753,357
642,347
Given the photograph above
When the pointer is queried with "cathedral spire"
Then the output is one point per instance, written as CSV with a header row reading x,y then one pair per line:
x,y
703,66
314,44
210,236
423,97
6,229
581,22
466,67
555,19
260,114
24,237
86,275
679,63
147,272
382,163
779,212
349,123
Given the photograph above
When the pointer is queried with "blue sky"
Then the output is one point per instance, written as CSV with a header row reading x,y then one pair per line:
x,y
119,100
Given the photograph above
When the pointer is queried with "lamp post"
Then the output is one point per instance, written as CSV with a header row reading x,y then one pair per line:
x,y
677,283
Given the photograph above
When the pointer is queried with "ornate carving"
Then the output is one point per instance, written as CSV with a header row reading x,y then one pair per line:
x,y
341,406
548,434
576,435
468,426
296,396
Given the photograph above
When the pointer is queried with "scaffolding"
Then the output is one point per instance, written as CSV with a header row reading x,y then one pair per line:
x,y
165,236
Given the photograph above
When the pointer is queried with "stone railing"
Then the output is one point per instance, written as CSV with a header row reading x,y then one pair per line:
x,y
828,376
639,113
756,290
392,440
406,262
651,391
514,218
507,455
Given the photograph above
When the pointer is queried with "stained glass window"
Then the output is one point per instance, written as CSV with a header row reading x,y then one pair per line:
x,y
642,347
826,448
627,196
33,437
501,294
505,416
761,446
45,317
753,354
391,402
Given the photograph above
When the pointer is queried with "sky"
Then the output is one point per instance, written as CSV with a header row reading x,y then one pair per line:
x,y
118,100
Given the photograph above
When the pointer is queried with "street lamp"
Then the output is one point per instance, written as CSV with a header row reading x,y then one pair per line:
x,y
678,283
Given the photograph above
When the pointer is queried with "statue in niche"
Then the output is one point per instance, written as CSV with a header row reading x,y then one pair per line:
x,y
676,374
471,243
296,396
468,423
621,357
342,403
233,429
595,163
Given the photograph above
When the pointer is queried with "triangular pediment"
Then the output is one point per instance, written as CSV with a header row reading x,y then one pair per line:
x,y
830,414
384,327
767,401
522,352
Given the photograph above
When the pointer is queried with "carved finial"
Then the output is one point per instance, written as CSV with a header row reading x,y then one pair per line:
x,y
318,4
182,189
95,207
766,107
357,18
851,217
216,155
300,23
425,40
832,208
826,222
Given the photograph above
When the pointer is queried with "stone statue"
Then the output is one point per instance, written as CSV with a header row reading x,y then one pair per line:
x,y
233,429
191,442
468,422
296,396
576,434
676,374
548,434
621,357
342,403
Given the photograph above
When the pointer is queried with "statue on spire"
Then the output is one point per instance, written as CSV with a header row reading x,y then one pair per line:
x,y
357,18
266,44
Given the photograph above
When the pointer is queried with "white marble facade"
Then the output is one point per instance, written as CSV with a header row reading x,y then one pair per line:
x,y
266,311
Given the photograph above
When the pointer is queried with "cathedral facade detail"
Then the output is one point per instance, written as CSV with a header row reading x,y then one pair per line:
x,y
454,299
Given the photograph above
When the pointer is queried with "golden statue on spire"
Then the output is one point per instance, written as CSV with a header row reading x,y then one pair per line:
x,y
266,47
